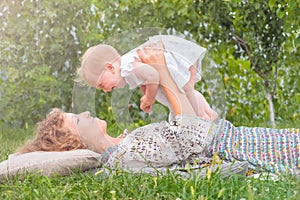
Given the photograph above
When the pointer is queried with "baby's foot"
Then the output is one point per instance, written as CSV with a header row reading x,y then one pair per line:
x,y
214,116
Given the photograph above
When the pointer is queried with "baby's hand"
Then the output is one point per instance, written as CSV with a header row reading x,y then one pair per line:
x,y
146,103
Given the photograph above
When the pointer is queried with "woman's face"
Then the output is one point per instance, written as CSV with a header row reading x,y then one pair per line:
x,y
89,129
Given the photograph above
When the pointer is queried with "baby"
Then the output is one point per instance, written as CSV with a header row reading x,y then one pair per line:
x,y
102,67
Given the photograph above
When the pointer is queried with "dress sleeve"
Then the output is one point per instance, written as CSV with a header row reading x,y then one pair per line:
x,y
126,71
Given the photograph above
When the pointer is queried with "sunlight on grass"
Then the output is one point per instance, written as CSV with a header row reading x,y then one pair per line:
x,y
123,185
11,139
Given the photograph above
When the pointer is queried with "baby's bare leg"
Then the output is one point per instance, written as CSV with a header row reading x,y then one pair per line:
x,y
195,100
199,104
193,73
208,111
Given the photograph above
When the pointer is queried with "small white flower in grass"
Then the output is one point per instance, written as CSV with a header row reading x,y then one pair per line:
x,y
295,192
265,176
113,194
201,197
242,199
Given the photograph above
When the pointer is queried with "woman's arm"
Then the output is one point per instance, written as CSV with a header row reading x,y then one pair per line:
x,y
154,56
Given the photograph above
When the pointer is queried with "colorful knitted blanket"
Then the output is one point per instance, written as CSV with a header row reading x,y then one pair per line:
x,y
275,150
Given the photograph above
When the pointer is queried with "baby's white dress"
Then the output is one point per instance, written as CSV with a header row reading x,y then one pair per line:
x,y
180,55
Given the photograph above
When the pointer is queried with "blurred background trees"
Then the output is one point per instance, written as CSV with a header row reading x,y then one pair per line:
x,y
255,45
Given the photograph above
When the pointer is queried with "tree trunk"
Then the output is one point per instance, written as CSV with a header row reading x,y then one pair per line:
x,y
271,109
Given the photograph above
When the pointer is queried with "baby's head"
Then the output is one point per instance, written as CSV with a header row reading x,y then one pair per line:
x,y
94,62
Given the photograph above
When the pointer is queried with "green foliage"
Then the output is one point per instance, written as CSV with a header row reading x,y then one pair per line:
x,y
40,50
41,43
254,44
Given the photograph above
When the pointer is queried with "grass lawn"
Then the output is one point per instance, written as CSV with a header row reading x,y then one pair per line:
x,y
121,185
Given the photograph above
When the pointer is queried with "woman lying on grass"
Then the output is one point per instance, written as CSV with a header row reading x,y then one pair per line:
x,y
186,139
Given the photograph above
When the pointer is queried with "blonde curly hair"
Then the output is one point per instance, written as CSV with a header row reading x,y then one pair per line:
x,y
52,136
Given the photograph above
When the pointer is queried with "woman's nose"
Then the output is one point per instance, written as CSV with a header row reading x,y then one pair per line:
x,y
85,114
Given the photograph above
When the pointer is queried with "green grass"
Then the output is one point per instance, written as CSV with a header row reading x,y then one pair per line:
x,y
129,186
121,185
11,139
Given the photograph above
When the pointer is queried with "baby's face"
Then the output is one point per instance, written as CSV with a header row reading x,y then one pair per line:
x,y
99,78
108,80
104,75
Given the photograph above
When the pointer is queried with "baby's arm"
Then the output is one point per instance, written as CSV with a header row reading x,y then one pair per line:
x,y
150,85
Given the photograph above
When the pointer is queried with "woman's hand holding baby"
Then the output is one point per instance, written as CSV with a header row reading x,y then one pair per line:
x,y
153,54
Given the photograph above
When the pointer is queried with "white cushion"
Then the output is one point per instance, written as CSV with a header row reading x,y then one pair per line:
x,y
48,163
